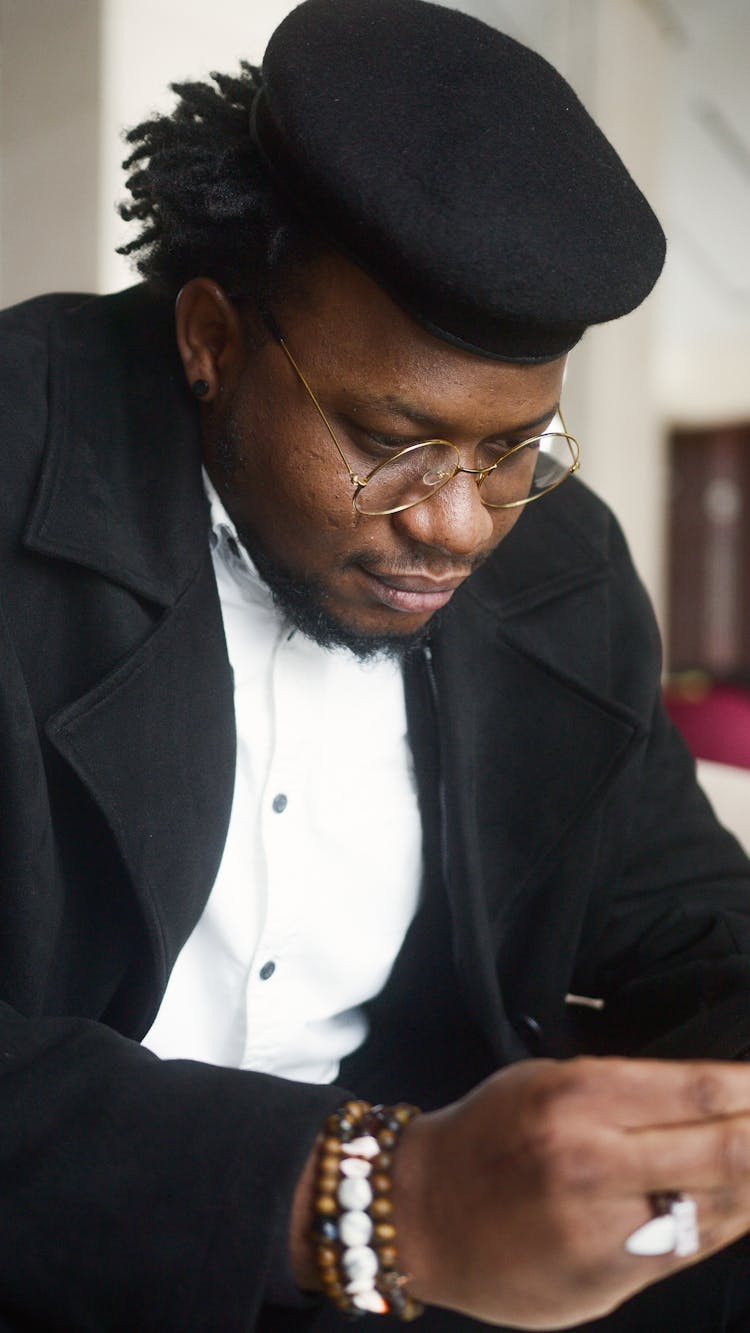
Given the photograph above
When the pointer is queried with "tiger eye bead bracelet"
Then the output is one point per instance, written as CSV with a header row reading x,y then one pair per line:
x,y
353,1234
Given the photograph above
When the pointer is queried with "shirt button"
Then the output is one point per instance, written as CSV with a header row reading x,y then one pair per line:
x,y
267,971
279,803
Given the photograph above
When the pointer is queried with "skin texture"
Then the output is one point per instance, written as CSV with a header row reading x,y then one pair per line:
x,y
277,469
512,1205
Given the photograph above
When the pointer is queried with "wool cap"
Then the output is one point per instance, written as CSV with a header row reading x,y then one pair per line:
x,y
458,169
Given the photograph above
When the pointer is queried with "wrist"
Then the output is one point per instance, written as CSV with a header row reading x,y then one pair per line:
x,y
413,1165
301,1258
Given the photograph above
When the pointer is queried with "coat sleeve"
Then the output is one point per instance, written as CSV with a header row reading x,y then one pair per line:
x,y
671,958
139,1193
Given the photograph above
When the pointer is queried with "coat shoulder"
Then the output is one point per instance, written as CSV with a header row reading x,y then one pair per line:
x,y
24,378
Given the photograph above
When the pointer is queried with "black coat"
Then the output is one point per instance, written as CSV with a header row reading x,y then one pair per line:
x,y
567,848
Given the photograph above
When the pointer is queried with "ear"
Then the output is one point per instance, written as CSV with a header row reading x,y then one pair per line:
x,y
209,337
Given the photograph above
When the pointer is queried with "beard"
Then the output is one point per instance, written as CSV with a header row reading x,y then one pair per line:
x,y
303,605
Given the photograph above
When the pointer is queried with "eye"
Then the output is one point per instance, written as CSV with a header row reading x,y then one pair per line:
x,y
495,450
377,443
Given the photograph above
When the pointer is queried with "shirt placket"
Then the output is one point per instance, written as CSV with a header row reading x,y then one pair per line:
x,y
296,733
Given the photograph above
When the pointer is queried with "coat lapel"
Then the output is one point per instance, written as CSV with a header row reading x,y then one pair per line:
x,y
154,745
121,494
530,744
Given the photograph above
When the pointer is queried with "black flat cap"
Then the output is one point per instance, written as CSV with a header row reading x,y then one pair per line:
x,y
459,169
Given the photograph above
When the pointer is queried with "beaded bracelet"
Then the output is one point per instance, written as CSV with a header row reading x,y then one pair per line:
x,y
353,1234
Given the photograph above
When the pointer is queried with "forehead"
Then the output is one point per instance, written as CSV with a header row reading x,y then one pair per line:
x,y
351,337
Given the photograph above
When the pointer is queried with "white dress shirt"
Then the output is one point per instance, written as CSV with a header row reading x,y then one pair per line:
x,y
320,875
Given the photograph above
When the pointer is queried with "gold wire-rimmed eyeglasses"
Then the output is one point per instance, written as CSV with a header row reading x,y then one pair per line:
x,y
415,473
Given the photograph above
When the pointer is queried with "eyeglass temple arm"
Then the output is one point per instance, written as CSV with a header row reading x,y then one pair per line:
x,y
577,459
278,335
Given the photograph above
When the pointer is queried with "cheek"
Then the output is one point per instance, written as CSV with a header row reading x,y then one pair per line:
x,y
290,489
315,498
503,522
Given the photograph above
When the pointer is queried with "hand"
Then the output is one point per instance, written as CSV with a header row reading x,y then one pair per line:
x,y
514,1204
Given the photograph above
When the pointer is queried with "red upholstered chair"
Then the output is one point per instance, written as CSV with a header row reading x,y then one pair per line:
x,y
714,718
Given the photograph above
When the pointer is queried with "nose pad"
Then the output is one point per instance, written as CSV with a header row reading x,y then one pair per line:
x,y
453,520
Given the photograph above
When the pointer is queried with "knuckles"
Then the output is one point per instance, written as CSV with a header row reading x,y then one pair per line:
x,y
705,1092
570,1080
734,1153
567,1151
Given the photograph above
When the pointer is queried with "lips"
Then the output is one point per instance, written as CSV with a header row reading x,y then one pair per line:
x,y
412,594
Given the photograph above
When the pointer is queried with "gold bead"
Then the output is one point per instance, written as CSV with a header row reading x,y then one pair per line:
x,y
329,1165
381,1183
385,1231
355,1110
381,1208
326,1206
411,1310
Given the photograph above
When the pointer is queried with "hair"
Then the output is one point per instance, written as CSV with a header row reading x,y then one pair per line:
x,y
203,198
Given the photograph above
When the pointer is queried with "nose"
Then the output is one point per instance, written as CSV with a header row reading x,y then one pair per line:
x,y
453,521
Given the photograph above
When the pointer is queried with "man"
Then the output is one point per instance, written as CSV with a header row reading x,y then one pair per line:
x,y
333,753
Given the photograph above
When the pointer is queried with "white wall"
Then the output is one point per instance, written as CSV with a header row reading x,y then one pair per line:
x,y
619,64
50,124
728,790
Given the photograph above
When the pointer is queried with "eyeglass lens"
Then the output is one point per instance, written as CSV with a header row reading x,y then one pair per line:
x,y
423,469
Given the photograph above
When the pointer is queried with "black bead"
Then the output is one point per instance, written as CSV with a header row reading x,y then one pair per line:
x,y
324,1228
200,388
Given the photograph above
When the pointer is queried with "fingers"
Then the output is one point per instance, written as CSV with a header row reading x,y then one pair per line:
x,y
713,1155
634,1093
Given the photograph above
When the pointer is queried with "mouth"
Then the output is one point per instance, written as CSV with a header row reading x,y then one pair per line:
x,y
412,594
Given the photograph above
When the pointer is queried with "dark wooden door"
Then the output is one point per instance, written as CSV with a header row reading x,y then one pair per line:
x,y
709,551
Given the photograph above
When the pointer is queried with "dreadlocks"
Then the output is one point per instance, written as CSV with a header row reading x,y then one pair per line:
x,y
204,201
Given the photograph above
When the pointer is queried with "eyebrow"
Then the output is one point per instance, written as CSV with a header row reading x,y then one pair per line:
x,y
401,408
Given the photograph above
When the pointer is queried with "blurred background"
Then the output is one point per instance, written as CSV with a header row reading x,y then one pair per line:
x,y
660,400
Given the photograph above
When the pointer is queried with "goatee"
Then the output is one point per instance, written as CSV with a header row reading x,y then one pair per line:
x,y
303,604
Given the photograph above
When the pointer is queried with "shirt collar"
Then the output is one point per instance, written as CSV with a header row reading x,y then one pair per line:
x,y
227,546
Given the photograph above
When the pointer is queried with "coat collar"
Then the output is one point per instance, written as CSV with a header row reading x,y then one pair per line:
x,y
137,515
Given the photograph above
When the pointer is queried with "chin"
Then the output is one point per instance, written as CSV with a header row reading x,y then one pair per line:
x,y
308,607
328,630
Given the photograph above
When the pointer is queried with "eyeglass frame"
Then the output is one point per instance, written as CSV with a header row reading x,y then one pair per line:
x,y
479,474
